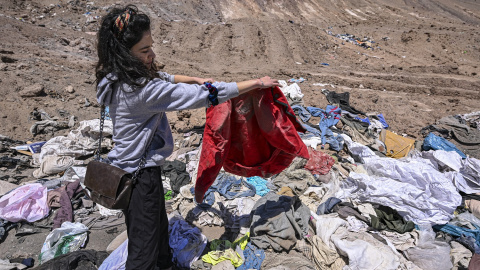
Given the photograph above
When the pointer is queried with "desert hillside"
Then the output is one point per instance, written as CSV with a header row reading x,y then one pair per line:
x,y
419,60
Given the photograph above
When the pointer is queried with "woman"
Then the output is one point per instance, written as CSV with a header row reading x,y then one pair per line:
x,y
138,95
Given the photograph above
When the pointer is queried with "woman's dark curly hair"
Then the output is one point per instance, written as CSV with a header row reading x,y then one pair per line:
x,y
122,28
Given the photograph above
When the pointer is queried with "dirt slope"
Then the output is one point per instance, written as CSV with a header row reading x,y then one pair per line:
x,y
422,64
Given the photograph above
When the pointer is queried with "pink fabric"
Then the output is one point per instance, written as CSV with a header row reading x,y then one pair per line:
x,y
28,202
319,162
474,262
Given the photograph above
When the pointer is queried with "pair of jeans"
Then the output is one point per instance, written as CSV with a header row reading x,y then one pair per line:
x,y
147,223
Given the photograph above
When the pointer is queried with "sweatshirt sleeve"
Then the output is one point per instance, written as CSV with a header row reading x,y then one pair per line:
x,y
160,95
166,77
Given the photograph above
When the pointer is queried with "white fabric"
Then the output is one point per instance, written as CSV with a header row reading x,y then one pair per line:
x,y
79,142
364,252
312,141
58,153
465,173
327,225
357,148
293,90
468,178
239,210
106,211
118,258
356,225
412,186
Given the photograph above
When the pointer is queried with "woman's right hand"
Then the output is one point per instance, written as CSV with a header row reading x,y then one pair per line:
x,y
264,82
267,82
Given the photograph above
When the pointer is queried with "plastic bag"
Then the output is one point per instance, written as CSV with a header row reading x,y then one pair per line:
x,y
430,254
69,237
28,202
433,142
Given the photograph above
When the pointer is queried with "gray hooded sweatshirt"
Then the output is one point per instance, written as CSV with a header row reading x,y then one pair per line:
x,y
138,114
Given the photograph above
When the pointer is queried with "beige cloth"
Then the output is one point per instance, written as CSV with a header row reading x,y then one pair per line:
x,y
473,206
459,255
323,256
117,242
401,241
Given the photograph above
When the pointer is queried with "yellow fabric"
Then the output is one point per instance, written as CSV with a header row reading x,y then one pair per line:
x,y
398,146
242,241
218,256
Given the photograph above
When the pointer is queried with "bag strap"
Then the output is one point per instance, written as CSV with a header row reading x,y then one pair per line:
x,y
141,165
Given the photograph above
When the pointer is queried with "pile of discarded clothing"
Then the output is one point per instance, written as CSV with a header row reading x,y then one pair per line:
x,y
333,187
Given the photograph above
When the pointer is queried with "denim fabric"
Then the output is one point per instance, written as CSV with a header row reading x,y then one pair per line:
x,y
301,112
208,199
231,187
327,206
328,117
253,258
459,231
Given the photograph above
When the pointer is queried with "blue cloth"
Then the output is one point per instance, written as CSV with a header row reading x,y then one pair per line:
x,y
228,186
327,206
301,112
208,198
231,187
328,117
365,120
382,120
260,185
470,243
434,142
459,231
253,258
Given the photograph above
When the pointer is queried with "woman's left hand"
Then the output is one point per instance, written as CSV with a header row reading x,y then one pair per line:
x,y
204,80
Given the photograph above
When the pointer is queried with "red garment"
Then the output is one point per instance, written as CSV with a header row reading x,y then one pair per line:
x,y
254,134
319,162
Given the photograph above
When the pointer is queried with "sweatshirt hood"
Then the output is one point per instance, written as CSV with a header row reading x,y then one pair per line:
x,y
105,89
107,86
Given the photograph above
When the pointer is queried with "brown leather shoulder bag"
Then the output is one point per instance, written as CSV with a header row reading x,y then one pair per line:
x,y
109,185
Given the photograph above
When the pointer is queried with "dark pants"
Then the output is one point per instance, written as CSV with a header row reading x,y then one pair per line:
x,y
147,224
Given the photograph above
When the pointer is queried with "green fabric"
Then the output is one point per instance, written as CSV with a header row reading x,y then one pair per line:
x,y
168,195
389,219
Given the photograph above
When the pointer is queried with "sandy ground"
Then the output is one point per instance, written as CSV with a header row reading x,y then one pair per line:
x,y
423,62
